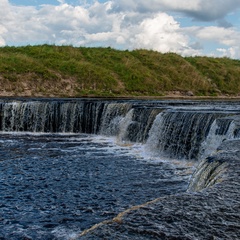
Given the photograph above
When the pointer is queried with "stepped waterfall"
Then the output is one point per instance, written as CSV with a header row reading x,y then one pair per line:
x,y
169,131
52,146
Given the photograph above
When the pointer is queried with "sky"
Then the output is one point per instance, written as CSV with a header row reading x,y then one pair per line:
x,y
186,27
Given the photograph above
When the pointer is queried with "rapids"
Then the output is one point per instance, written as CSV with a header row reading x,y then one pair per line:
x,y
67,164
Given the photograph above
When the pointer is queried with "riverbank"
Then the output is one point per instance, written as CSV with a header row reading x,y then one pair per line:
x,y
65,71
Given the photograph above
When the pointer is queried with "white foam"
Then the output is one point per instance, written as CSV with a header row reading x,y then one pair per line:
x,y
62,233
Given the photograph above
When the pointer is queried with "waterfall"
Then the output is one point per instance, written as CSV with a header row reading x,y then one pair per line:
x,y
181,134
135,125
124,124
112,114
208,172
137,129
221,130
167,130
51,116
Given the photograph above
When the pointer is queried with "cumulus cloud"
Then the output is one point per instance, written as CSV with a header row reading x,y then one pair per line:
x,y
21,23
124,24
2,31
96,24
228,37
232,52
161,33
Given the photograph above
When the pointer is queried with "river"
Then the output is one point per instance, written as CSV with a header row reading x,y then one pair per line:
x,y
67,164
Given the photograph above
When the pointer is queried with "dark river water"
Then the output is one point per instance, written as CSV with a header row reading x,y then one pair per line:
x,y
53,186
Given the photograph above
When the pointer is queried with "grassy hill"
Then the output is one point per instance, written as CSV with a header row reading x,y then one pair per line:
x,y
65,71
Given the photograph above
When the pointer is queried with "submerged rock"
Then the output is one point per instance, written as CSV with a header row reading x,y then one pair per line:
x,y
209,210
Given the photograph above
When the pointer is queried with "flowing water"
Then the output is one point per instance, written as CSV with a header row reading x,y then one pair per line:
x,y
66,165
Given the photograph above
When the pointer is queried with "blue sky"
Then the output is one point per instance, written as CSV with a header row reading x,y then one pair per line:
x,y
187,27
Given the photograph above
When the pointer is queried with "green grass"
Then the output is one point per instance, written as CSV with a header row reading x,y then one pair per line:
x,y
48,70
223,73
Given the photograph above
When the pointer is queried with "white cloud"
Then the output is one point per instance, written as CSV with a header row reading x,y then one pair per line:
x,y
2,31
161,33
229,37
226,36
137,25
232,52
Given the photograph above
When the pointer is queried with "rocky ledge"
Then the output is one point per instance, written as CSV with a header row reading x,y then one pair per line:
x,y
209,210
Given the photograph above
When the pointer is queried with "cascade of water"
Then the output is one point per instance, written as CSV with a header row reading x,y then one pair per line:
x,y
141,121
17,116
112,115
168,132
90,117
179,134
123,126
132,126
51,116
221,129
155,134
